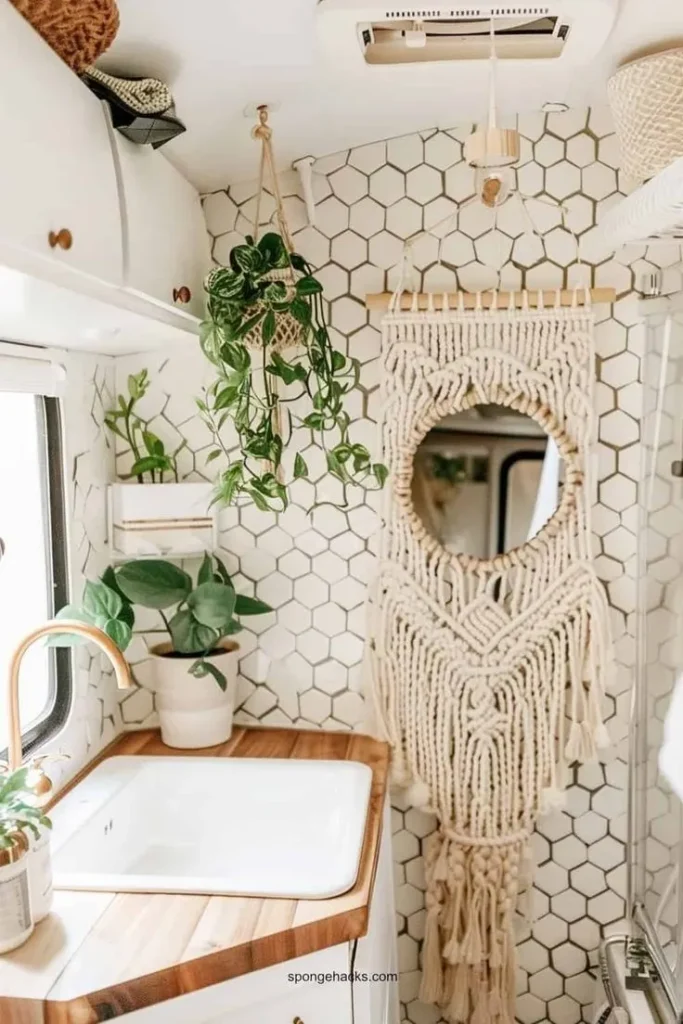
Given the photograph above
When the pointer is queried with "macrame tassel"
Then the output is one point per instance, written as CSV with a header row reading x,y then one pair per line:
x,y
458,1008
432,985
417,795
574,745
482,1013
601,736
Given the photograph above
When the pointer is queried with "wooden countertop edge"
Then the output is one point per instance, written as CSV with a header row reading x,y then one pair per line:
x,y
222,965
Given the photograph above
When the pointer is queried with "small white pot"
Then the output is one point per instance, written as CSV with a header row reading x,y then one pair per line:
x,y
193,712
161,519
16,917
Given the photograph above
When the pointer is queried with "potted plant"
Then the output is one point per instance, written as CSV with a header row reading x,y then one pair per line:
x,y
194,671
19,819
158,515
268,299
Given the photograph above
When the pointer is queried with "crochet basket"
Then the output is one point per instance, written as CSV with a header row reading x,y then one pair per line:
x,y
79,31
289,332
646,97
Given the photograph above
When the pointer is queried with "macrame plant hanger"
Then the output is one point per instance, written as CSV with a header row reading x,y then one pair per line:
x,y
288,329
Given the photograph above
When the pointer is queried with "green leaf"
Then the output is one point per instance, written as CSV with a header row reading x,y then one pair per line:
x,y
314,420
229,484
126,614
213,455
300,467
153,444
190,636
99,601
335,467
74,613
269,327
226,397
212,604
153,583
245,258
301,311
380,473
234,626
298,262
236,356
205,574
308,286
222,571
119,632
273,250
204,667
147,464
250,606
338,361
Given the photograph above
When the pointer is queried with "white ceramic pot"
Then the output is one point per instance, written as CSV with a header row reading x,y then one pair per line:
x,y
16,918
193,712
161,519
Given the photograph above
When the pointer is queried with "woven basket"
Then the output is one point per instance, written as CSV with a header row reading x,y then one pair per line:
x,y
646,97
289,332
78,30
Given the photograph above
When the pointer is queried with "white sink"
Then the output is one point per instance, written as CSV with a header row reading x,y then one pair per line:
x,y
231,826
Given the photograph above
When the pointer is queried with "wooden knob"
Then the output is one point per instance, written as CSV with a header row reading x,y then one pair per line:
x,y
62,238
182,294
297,1020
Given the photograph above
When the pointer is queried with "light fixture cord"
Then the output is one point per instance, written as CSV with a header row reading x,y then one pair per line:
x,y
493,64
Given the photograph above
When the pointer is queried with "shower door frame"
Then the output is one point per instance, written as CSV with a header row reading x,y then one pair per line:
x,y
657,313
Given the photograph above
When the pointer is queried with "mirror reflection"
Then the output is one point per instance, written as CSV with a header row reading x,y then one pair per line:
x,y
486,480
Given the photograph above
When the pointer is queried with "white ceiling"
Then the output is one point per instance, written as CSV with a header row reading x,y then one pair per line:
x,y
221,56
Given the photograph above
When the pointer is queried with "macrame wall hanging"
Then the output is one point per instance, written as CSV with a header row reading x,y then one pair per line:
x,y
487,673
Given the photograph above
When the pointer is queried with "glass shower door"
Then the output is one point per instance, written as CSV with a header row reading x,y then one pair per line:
x,y
656,836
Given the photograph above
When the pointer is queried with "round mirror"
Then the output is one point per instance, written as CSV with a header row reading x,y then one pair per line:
x,y
486,480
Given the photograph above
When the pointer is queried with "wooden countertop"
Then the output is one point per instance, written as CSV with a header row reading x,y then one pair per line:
x,y
100,955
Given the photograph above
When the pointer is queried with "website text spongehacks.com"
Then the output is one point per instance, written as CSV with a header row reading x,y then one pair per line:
x,y
330,977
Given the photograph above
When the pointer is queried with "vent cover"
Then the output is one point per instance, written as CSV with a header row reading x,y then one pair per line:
x,y
404,33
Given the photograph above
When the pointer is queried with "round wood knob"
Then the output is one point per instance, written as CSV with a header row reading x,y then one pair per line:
x,y
62,239
182,294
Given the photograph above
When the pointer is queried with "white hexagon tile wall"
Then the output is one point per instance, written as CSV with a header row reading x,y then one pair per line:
x,y
302,665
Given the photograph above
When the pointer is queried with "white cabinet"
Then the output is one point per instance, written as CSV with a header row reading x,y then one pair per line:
x,y
166,246
58,189
349,983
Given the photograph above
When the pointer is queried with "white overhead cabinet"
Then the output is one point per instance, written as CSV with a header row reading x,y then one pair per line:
x,y
103,244
166,253
59,202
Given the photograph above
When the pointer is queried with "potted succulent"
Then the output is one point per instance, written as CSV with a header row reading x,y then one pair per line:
x,y
19,819
158,515
194,671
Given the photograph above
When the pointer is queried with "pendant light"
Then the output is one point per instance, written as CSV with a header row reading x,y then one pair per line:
x,y
493,150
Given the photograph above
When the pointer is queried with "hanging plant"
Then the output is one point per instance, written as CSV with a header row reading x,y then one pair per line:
x,y
266,301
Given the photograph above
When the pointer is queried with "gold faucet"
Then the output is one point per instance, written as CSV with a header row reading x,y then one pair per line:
x,y
105,643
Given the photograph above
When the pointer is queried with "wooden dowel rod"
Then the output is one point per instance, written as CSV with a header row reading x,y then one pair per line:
x,y
568,297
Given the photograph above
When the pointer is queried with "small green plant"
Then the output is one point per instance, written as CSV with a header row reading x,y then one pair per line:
x,y
243,298
18,812
149,453
203,612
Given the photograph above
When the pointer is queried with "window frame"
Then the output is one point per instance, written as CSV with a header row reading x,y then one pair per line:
x,y
54,503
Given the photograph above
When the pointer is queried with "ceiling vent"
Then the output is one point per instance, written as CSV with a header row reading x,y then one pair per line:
x,y
405,33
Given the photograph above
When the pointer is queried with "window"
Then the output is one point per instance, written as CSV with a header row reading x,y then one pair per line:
x,y
33,563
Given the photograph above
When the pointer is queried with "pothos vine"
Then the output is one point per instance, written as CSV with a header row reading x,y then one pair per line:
x,y
246,300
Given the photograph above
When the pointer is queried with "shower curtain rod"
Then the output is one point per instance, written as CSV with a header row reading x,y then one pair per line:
x,y
548,298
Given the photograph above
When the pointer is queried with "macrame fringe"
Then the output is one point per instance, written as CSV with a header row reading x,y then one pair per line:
x,y
468,964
